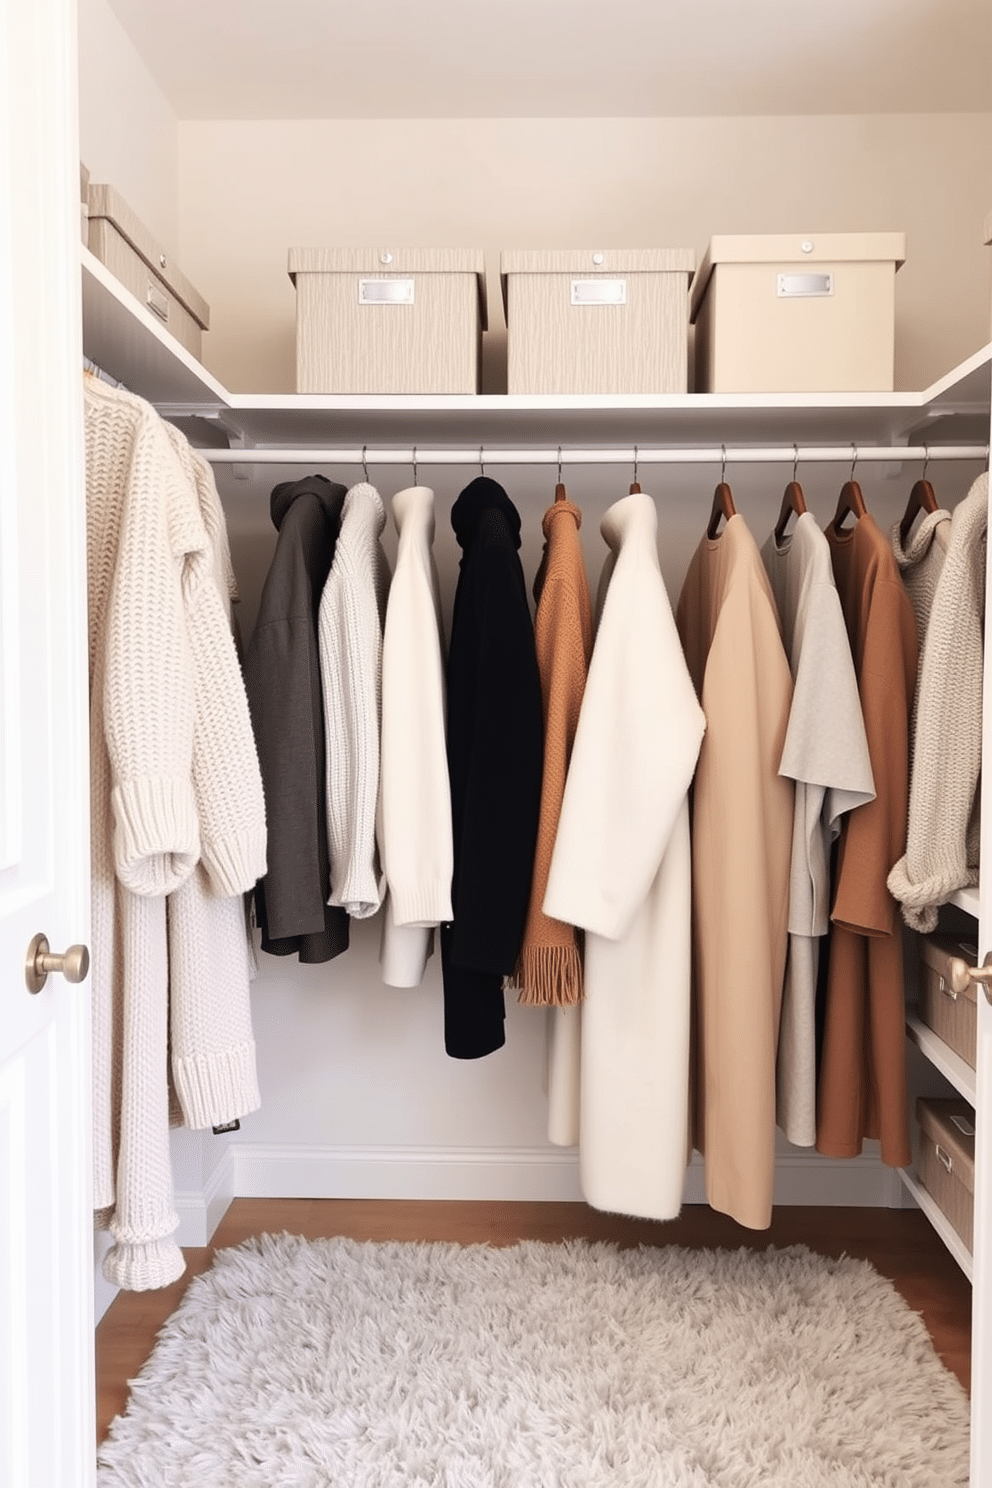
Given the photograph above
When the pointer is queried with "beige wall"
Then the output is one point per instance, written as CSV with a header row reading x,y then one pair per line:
x,y
128,133
249,191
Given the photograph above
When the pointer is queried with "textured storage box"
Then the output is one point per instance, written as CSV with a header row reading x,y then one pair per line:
x,y
785,313
121,241
590,321
401,320
953,1016
946,1160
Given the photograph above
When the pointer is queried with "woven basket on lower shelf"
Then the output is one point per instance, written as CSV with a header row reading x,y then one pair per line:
x,y
946,1159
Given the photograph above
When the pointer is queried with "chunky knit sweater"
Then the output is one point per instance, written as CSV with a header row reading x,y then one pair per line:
x,y
942,840
417,854
173,781
349,636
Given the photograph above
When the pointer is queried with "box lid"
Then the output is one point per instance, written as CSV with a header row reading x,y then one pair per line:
x,y
105,201
951,1125
883,247
385,262
938,950
595,263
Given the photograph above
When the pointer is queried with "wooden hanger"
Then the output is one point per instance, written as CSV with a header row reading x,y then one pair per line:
x,y
723,500
792,501
921,499
851,501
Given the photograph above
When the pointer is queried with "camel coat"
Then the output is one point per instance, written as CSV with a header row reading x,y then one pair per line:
x,y
742,848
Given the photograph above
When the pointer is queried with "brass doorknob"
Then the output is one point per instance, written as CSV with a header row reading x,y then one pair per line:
x,y
962,975
40,960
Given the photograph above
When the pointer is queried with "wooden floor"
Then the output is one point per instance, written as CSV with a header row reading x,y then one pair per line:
x,y
899,1242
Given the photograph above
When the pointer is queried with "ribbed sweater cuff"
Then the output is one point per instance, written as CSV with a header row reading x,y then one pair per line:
x,y
360,894
427,903
920,897
144,1265
236,862
156,833
216,1088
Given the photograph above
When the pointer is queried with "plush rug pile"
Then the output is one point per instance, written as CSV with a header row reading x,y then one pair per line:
x,y
304,1364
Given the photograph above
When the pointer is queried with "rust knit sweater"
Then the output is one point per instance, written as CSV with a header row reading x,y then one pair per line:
x,y
549,971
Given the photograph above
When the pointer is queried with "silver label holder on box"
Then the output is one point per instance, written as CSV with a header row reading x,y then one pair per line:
x,y
385,291
805,286
599,291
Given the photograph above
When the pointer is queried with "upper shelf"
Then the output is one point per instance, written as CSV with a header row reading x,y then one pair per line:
x,y
126,340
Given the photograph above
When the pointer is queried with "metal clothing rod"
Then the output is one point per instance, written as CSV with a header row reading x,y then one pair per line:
x,y
477,455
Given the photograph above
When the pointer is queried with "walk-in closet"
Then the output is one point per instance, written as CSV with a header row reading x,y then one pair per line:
x,y
232,154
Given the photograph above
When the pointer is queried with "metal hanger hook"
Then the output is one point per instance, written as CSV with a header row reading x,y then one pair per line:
x,y
854,460
926,461
365,467
636,482
415,480
482,463
795,461
559,464
723,463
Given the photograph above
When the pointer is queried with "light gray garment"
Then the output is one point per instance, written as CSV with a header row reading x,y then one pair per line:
x,y
920,560
826,754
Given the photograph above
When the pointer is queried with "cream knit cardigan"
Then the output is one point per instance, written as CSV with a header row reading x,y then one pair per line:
x,y
174,781
942,839
349,639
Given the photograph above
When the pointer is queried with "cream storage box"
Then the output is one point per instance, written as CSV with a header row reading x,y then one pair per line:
x,y
952,1015
946,1159
388,320
797,314
611,320
120,240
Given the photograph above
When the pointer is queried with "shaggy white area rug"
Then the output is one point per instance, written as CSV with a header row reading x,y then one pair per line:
x,y
304,1364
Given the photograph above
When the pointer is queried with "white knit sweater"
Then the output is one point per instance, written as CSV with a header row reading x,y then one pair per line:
x,y
349,639
171,773
942,843
417,853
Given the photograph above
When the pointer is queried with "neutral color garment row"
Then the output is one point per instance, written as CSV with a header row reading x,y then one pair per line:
x,y
812,768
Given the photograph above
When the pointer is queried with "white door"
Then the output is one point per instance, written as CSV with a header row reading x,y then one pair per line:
x,y
46,1277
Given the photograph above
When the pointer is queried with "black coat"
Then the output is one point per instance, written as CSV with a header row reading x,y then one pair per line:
x,y
495,751
282,679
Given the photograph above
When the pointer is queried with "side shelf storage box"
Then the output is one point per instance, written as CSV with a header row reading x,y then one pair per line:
x,y
783,313
946,1160
589,321
953,1016
120,240
380,320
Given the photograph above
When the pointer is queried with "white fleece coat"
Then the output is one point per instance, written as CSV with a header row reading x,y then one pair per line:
x,y
415,795
621,870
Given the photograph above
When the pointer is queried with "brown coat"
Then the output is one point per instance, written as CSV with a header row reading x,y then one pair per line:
x,y
742,816
862,1083
550,967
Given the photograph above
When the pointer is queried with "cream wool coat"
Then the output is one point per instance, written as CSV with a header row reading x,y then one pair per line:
x,y
621,871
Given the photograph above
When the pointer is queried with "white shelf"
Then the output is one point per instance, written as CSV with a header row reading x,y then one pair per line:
x,y
127,341
966,899
942,1057
940,1222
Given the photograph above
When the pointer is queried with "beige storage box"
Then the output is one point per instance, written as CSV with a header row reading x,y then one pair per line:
x,y
388,320
946,1159
794,314
597,321
953,1016
121,241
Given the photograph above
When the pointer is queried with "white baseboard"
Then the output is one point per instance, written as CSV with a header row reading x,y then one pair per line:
x,y
263,1170
201,1213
